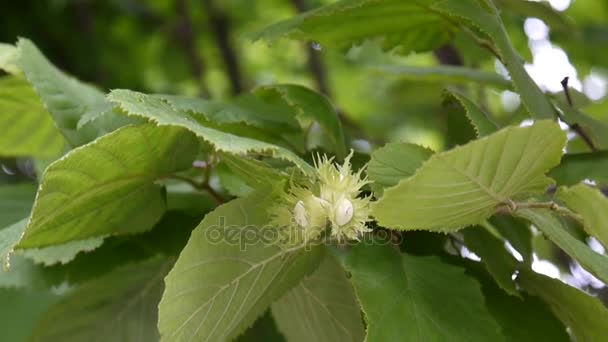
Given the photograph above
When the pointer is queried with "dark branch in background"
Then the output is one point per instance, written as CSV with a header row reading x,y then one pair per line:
x,y
448,55
575,126
319,72
187,40
220,26
315,63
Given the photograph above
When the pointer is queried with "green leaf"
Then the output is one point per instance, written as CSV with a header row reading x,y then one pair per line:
x,y
9,236
517,232
21,309
79,110
497,260
119,306
489,21
524,318
247,109
481,122
311,105
552,227
448,74
586,316
596,129
233,184
104,188
61,254
422,31
15,202
405,298
66,98
394,162
463,186
254,173
322,307
8,54
28,129
575,168
229,273
592,205
161,112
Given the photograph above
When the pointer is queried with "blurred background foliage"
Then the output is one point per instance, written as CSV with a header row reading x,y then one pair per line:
x,y
202,48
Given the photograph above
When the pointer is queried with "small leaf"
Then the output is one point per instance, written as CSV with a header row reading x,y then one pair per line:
x,y
586,316
229,273
28,129
517,232
161,112
497,260
119,306
322,307
383,20
8,54
405,298
394,162
480,120
104,188
592,205
553,228
463,186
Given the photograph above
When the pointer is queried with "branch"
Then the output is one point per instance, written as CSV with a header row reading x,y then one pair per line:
x,y
220,25
185,35
200,186
575,126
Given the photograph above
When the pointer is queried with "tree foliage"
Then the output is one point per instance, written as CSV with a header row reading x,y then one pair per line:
x,y
350,170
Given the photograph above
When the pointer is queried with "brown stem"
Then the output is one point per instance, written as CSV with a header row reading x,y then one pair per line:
x,y
575,126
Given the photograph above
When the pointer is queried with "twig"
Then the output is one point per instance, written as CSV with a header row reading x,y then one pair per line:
x,y
200,186
220,25
511,207
574,126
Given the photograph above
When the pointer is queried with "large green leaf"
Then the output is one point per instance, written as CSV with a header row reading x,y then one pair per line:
x,y
592,205
412,298
15,202
394,162
28,129
586,316
383,20
553,228
321,308
575,168
488,20
107,187
163,114
229,273
119,306
463,186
